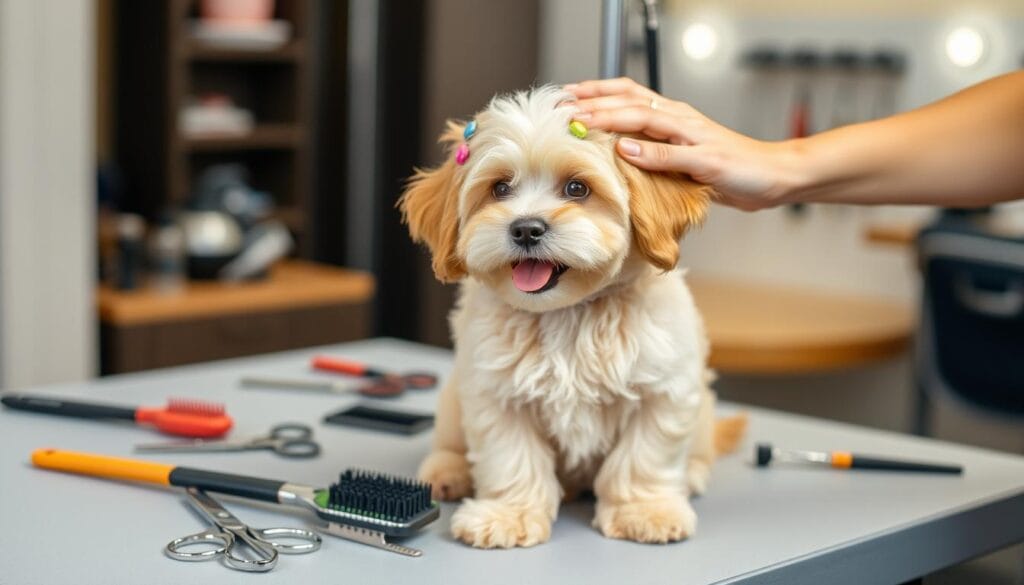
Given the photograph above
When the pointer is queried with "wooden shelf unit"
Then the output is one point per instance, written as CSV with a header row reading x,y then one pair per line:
x,y
294,51
164,66
262,137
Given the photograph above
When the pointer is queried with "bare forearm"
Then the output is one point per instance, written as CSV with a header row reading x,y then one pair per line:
x,y
966,150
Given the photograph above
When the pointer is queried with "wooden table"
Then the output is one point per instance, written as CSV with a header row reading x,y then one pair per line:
x,y
758,328
893,234
298,305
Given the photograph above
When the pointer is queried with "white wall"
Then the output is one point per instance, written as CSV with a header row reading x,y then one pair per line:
x,y
47,218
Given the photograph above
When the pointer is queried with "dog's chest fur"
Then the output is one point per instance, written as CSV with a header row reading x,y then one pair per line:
x,y
580,371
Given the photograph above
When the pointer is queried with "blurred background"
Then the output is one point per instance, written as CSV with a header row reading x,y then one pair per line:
x,y
189,180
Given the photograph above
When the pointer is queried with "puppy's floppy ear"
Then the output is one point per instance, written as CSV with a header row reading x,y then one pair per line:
x,y
661,207
429,206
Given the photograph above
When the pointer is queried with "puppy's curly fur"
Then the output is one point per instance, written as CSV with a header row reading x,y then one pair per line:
x,y
596,380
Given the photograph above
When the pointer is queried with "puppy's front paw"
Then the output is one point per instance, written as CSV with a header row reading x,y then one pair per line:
x,y
494,524
448,474
660,521
698,474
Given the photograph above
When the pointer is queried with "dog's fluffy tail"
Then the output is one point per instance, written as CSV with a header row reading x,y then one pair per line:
x,y
728,432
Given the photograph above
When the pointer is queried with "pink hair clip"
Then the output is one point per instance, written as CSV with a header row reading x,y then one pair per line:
x,y
462,154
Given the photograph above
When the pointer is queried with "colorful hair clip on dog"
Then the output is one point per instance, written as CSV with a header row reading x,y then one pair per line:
x,y
577,129
462,154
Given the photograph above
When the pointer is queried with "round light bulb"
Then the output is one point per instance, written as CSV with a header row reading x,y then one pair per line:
x,y
965,46
700,40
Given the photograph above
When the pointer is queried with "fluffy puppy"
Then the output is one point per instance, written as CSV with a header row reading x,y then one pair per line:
x,y
580,359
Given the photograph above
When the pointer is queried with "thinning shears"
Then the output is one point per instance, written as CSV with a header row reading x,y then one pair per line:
x,y
230,535
379,384
388,382
287,440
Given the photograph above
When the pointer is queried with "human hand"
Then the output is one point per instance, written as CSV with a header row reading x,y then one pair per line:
x,y
748,174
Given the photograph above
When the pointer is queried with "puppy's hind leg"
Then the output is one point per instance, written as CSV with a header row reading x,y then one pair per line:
x,y
702,451
713,438
446,468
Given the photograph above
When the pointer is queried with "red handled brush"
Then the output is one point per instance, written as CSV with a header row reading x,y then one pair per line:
x,y
186,418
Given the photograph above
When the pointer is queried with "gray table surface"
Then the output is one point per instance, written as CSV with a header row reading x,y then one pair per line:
x,y
756,526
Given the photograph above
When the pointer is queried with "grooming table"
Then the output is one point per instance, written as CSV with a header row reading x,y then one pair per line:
x,y
781,525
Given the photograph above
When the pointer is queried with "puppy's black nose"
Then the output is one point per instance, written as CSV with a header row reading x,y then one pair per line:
x,y
527,231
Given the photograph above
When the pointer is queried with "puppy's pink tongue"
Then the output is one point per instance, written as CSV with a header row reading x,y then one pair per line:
x,y
531,275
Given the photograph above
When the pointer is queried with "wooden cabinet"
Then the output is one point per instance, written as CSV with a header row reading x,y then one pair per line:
x,y
299,305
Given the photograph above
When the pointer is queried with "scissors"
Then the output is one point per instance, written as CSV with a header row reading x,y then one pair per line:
x,y
388,383
230,533
288,440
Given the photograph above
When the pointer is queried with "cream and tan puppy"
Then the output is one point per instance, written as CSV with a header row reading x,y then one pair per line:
x,y
580,358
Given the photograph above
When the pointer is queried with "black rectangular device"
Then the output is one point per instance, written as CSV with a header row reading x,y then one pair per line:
x,y
381,419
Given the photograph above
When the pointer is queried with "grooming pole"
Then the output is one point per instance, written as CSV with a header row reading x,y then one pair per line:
x,y
613,38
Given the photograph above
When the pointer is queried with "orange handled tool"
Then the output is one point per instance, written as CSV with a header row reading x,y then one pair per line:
x,y
343,366
364,506
186,418
415,380
158,473
103,466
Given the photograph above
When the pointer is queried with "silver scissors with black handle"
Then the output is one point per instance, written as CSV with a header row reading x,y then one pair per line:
x,y
287,440
230,536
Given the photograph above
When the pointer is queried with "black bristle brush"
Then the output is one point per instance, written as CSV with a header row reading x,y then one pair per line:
x,y
363,506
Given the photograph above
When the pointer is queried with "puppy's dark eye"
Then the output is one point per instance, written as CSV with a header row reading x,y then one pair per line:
x,y
501,190
576,189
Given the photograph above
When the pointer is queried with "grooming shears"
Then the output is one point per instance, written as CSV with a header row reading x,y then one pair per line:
x,y
382,383
287,440
230,532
